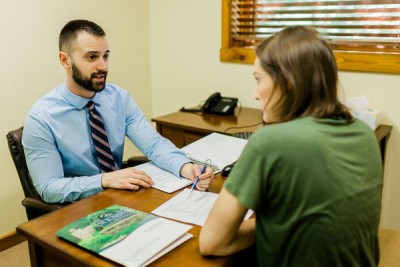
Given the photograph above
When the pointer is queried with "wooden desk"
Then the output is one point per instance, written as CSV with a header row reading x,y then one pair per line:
x,y
382,134
46,249
183,128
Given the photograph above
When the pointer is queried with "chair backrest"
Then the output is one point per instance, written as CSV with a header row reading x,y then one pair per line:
x,y
14,139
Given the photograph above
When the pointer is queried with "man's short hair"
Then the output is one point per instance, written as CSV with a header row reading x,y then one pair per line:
x,y
70,31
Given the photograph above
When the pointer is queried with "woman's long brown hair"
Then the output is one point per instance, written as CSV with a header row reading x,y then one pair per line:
x,y
304,69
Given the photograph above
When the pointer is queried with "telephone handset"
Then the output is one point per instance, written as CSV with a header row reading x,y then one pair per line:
x,y
217,104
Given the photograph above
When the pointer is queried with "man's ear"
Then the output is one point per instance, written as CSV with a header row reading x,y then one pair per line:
x,y
65,60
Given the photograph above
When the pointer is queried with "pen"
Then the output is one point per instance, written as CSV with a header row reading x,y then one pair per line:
x,y
197,178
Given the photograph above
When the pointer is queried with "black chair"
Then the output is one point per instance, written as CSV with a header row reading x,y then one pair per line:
x,y
133,161
33,203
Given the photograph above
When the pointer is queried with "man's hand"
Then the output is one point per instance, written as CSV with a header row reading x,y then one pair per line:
x,y
128,178
191,171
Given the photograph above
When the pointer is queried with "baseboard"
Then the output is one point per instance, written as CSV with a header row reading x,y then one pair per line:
x,y
9,240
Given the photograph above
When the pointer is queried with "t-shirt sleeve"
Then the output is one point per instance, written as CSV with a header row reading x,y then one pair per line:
x,y
246,178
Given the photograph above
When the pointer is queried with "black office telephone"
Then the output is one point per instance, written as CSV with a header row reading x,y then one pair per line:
x,y
217,104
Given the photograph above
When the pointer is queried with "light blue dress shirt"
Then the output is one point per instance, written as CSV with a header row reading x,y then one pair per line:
x,y
59,150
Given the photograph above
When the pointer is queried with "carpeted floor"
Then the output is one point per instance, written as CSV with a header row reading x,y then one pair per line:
x,y
16,256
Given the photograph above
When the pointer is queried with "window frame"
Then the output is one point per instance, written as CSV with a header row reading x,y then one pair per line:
x,y
386,62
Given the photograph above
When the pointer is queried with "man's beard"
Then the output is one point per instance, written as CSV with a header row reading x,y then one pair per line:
x,y
88,83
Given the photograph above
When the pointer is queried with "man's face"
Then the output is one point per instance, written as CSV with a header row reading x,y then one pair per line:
x,y
91,83
89,62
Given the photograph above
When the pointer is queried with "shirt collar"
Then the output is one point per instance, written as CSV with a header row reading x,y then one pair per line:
x,y
75,100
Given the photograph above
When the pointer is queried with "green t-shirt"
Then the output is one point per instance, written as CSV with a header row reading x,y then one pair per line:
x,y
315,185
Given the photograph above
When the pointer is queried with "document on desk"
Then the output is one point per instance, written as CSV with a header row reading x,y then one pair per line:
x,y
163,180
191,207
217,149
127,236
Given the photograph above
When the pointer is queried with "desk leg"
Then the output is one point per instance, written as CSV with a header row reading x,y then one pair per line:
x,y
34,254
42,257
382,145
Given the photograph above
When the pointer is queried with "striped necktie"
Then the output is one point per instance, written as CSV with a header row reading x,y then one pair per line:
x,y
100,140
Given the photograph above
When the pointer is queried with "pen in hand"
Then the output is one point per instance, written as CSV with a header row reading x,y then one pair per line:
x,y
197,178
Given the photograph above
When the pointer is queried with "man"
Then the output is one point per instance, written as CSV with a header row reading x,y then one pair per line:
x,y
65,163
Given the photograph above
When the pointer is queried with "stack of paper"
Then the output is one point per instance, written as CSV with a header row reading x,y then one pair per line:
x,y
217,149
163,180
191,207
126,236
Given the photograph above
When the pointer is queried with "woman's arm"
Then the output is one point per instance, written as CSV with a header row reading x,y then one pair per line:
x,y
225,232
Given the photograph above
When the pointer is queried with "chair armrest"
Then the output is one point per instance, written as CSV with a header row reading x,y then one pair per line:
x,y
40,205
133,161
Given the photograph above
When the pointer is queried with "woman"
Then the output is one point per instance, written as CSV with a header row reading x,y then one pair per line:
x,y
313,175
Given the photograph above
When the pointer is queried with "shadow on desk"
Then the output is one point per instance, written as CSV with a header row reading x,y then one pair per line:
x,y
246,258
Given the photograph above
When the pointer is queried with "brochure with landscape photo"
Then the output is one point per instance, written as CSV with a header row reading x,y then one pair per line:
x,y
127,236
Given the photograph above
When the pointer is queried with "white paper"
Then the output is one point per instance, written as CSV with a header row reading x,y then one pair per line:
x,y
359,103
191,207
154,237
218,148
163,180
358,106
178,242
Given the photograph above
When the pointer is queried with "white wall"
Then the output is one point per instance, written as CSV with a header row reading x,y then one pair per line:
x,y
29,68
185,40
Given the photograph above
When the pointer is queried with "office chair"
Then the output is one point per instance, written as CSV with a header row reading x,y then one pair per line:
x,y
133,161
33,203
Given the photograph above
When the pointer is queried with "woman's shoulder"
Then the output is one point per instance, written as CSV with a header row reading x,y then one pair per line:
x,y
287,128
303,130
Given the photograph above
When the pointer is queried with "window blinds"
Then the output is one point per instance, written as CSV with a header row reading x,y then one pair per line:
x,y
347,24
